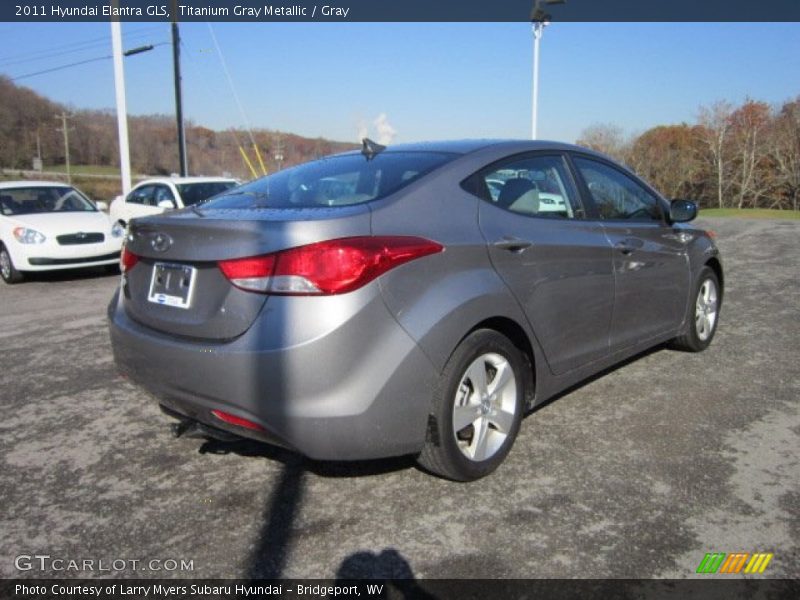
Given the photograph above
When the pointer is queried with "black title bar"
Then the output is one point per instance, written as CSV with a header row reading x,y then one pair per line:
x,y
260,11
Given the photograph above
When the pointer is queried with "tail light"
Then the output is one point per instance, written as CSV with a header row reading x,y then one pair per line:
x,y
331,267
238,421
127,260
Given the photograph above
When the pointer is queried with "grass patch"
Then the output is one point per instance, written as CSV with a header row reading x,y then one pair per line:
x,y
84,169
750,213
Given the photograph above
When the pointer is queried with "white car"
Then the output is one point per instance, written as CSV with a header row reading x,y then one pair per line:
x,y
154,196
45,225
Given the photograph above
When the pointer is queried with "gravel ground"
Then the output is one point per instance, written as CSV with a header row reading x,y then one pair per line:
x,y
637,473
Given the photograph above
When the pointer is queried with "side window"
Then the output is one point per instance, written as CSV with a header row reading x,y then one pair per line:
x,y
536,186
142,195
616,195
162,192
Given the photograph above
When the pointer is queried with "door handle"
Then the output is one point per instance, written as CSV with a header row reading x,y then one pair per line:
x,y
513,244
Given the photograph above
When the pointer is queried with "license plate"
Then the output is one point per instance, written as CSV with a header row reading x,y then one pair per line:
x,y
172,285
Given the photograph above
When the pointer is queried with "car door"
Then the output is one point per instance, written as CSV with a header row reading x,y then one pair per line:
x,y
651,267
556,263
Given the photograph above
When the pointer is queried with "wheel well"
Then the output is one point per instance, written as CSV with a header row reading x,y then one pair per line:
x,y
514,332
715,266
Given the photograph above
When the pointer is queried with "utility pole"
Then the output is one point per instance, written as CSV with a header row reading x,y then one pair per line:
x,y
176,61
64,117
278,154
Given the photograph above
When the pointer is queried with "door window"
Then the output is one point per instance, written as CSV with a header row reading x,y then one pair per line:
x,y
142,195
617,196
535,186
162,192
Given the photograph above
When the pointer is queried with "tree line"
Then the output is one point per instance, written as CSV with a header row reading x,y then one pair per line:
x,y
745,156
28,128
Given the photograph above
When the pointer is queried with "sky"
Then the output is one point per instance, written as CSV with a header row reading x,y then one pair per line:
x,y
428,80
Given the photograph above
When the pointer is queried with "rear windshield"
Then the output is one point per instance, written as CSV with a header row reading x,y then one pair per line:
x,y
334,181
41,199
194,193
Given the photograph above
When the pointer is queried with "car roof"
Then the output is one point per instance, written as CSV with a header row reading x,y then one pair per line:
x,y
179,180
4,185
468,146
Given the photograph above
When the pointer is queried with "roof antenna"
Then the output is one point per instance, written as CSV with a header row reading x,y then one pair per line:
x,y
371,149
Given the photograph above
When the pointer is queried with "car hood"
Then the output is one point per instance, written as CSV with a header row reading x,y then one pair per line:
x,y
51,224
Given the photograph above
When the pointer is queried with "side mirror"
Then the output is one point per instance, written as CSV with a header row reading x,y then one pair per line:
x,y
168,204
682,211
101,205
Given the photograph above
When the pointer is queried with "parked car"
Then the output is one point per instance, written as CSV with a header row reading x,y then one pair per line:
x,y
46,226
417,314
154,196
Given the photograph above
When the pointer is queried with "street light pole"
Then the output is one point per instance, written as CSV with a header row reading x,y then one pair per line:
x,y
538,29
539,20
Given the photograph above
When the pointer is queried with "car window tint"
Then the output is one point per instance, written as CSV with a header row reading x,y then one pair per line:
x,y
141,195
616,195
537,186
195,193
340,180
162,192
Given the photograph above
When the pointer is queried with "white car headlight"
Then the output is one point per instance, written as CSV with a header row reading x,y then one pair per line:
x,y
117,230
28,236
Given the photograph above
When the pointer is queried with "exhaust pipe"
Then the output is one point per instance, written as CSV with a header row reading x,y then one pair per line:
x,y
190,428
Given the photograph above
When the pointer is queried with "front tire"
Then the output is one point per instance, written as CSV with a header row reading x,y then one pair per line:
x,y
701,322
8,271
477,408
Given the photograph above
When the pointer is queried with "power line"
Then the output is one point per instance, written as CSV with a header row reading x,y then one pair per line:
x,y
43,55
230,83
91,41
69,65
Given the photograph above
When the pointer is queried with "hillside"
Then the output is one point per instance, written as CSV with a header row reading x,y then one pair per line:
x,y
24,114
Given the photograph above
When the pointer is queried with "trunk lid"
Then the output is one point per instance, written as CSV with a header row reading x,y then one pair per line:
x,y
178,254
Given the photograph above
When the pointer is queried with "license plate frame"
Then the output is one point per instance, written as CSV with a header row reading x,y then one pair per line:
x,y
169,286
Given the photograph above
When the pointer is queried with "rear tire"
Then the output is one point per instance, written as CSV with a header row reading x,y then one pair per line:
x,y
703,314
8,271
477,408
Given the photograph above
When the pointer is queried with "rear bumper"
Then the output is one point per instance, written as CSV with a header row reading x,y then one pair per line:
x,y
352,385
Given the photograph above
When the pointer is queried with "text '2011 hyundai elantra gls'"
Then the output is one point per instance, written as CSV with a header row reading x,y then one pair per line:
x,y
416,299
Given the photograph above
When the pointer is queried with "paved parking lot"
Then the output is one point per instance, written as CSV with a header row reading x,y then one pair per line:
x,y
637,473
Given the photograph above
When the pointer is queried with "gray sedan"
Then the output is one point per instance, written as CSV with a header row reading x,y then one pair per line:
x,y
417,299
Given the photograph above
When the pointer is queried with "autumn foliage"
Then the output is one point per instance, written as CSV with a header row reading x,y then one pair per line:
x,y
741,157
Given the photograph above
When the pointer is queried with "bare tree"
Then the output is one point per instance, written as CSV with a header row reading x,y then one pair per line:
x,y
784,152
715,122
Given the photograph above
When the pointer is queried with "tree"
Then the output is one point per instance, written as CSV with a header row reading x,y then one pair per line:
x,y
715,124
784,153
606,138
749,150
668,157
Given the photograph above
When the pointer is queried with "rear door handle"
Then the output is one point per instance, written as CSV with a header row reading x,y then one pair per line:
x,y
513,244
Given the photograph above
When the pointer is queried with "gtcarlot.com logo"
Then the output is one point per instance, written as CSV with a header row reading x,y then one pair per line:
x,y
46,562
735,562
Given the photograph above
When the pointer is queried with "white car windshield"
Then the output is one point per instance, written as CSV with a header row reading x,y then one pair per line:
x,y
40,199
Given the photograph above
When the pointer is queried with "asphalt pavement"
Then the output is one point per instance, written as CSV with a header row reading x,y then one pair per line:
x,y
637,473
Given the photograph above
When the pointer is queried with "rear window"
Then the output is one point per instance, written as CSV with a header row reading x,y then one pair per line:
x,y
334,181
194,193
